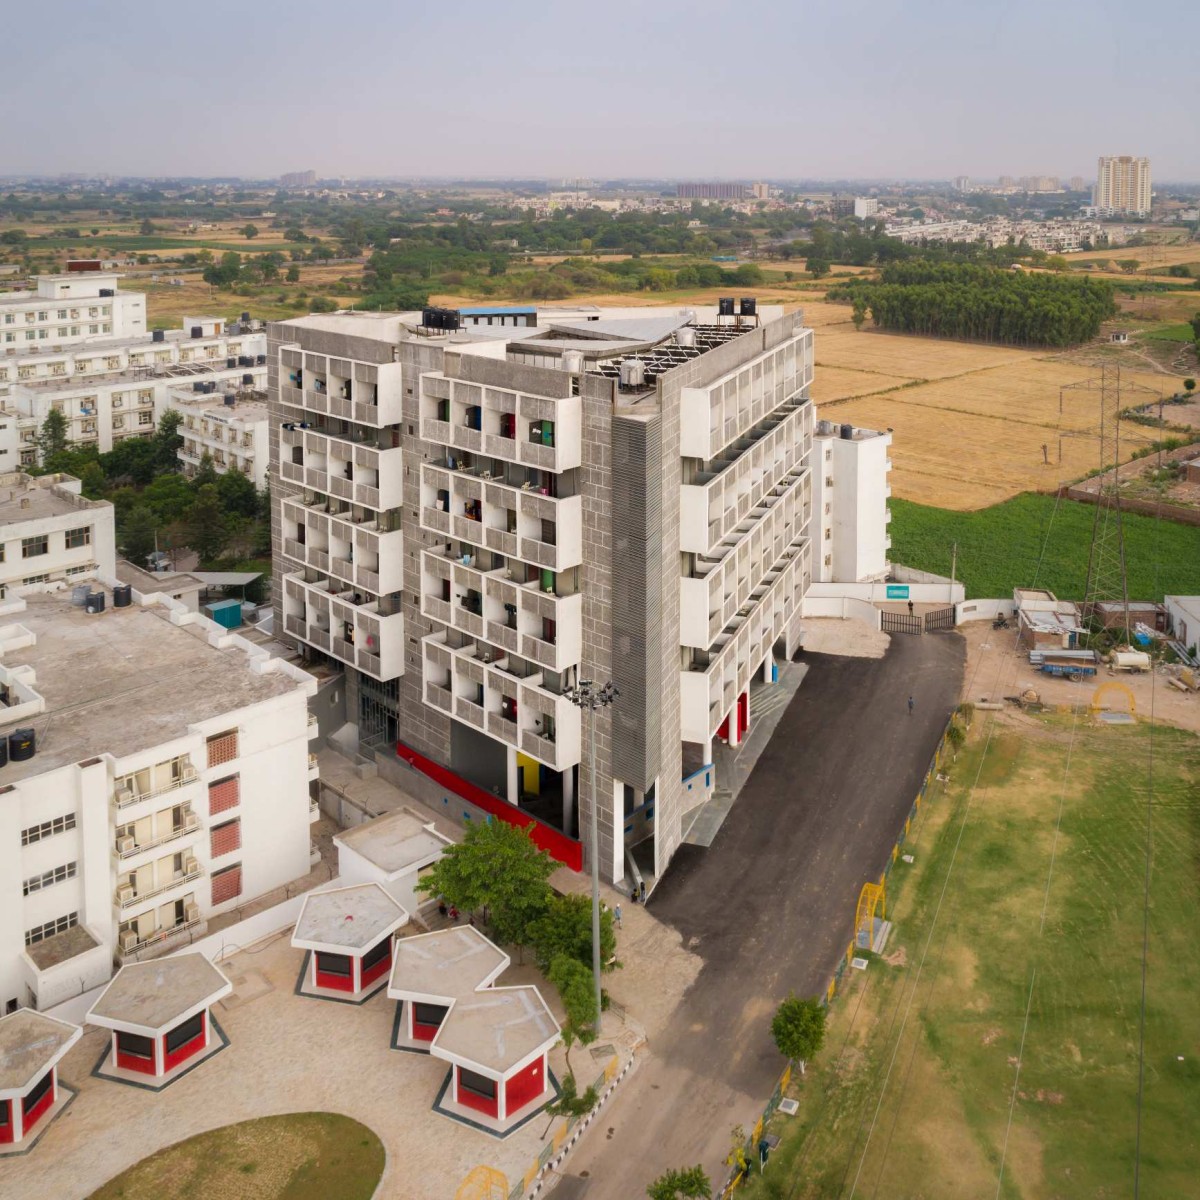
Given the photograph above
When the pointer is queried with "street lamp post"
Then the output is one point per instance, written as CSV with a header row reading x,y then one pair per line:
x,y
587,697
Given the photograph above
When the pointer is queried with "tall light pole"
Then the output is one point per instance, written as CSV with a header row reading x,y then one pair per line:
x,y
587,697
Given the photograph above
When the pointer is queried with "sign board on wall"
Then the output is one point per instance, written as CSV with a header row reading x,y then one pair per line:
x,y
897,591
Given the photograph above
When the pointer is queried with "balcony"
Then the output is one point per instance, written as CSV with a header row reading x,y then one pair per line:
x,y
162,942
716,414
189,828
126,898
715,677
502,697
365,392
350,468
517,521
543,432
323,612
128,790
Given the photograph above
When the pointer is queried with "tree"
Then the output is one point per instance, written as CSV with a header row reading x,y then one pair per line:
x,y
206,472
569,1103
689,1183
147,227
293,274
207,525
1056,262
167,441
565,927
498,872
249,231
859,313
1195,324
238,494
578,994
1128,265
52,438
92,481
1189,385
818,267
138,535
323,304
798,1028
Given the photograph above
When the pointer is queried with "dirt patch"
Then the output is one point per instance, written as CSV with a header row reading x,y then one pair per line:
x,y
850,637
897,958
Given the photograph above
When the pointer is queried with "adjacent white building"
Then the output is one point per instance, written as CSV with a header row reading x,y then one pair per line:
x,y
51,534
156,776
69,309
231,428
865,206
1122,185
850,491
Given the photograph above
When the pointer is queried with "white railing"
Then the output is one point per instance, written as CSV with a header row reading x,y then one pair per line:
x,y
174,835
188,775
130,901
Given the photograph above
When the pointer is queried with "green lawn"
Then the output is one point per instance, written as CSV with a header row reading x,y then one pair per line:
x,y
1172,333
999,547
302,1156
911,1096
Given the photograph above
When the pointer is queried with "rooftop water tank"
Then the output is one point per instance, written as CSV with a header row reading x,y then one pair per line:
x,y
80,593
725,306
262,360
197,331
22,744
633,373
158,335
572,362
748,306
94,602
197,386
3,752
847,433
247,380
685,337
230,399
122,595
245,318
231,361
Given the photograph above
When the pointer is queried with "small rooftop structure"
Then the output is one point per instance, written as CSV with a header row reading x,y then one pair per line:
x,y
391,850
348,932
496,1039
31,1047
25,498
158,1012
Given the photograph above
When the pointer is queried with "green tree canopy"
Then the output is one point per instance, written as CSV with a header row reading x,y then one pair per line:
x,y
565,927
52,438
249,231
577,990
497,872
238,494
138,535
798,1028
167,441
207,525
690,1183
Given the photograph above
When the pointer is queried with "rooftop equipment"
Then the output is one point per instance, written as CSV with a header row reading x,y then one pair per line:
x,y
22,744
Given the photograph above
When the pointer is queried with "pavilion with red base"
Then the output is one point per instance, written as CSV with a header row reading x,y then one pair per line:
x,y
31,1045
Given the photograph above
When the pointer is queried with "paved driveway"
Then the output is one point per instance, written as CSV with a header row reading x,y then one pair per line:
x,y
769,907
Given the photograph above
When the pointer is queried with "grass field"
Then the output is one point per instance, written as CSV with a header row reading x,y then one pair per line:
x,y
1001,547
1011,987
304,1156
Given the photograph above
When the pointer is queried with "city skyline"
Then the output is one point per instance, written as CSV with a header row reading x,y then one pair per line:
x,y
678,92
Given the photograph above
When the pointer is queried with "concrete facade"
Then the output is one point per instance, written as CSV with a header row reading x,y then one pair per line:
x,y
69,310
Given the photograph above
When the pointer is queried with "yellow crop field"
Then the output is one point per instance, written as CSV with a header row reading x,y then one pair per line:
x,y
907,356
841,383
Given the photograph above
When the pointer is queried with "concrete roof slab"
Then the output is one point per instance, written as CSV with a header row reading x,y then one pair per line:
x,y
156,994
394,842
348,918
30,1044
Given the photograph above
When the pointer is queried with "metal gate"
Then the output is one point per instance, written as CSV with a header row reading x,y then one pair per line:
x,y
939,619
894,622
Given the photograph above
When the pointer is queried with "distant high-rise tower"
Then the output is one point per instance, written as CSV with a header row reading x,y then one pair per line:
x,y
1123,185
962,183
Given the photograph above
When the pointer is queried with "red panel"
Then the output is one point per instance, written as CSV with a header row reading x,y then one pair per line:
x,y
337,983
225,839
479,1103
134,1062
224,795
561,848
222,748
226,885
184,1052
723,730
34,1114
382,967
743,713
424,1033
525,1086
6,1130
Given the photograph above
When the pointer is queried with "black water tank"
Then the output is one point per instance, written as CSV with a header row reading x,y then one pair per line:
x,y
122,595
231,361
725,306
3,752
94,603
749,306
262,360
197,331
247,380
198,386
230,399
22,744
159,335
107,292
245,360
847,433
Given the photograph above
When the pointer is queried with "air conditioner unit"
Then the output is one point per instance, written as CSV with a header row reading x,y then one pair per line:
x,y
189,773
125,893
125,794
191,821
126,844
190,864
191,912
129,939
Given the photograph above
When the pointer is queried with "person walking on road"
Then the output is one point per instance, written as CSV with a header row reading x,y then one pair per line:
x,y
910,608
911,702
617,914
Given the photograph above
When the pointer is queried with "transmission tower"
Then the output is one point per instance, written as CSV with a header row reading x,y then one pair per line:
x,y
1106,576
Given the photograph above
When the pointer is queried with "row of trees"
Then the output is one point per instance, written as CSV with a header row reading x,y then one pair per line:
x,y
983,303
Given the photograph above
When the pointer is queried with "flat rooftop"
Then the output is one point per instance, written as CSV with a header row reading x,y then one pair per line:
x,y
51,951
29,1042
152,994
498,1027
122,681
394,841
156,581
245,411
451,962
350,918
209,368
25,498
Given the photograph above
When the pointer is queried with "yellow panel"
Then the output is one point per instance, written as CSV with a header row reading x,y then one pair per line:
x,y
532,776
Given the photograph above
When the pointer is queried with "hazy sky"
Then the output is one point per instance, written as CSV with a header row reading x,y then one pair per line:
x,y
774,88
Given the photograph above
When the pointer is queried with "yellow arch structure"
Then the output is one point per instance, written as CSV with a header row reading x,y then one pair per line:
x,y
483,1183
1113,686
871,898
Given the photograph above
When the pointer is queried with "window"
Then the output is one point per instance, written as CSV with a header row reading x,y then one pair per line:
x,y
79,537
118,422
429,1014
145,418
377,954
334,964
82,569
33,1097
189,1031
29,580
37,833
135,1045
39,933
477,1084
227,884
118,401
37,883
93,329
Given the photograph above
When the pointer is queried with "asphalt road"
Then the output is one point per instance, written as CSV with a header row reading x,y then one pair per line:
x,y
769,907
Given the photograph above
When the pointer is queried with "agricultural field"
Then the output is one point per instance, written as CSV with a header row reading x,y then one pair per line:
x,y
1040,539
996,1047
